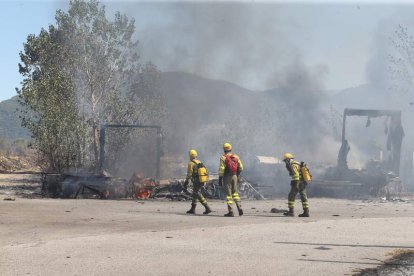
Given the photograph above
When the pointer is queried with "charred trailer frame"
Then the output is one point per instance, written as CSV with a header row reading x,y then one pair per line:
x,y
377,178
394,136
102,136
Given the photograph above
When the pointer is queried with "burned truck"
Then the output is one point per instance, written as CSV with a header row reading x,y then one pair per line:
x,y
378,177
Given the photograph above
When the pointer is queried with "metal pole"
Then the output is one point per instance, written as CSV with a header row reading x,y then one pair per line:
x,y
344,124
159,141
102,148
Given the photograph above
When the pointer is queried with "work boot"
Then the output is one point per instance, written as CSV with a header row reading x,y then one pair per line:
x,y
192,210
240,211
229,214
305,213
289,213
207,211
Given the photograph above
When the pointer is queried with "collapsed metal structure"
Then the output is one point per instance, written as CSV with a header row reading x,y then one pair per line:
x,y
378,177
138,187
395,134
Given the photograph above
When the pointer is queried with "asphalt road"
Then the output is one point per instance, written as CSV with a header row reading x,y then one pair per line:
x,y
98,237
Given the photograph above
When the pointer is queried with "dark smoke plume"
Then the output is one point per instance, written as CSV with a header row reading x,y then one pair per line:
x,y
243,43
240,42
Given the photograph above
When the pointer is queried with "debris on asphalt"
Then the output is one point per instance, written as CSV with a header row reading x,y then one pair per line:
x,y
323,248
277,211
142,188
401,263
9,198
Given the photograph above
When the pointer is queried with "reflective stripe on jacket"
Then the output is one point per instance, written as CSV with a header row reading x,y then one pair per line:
x,y
295,170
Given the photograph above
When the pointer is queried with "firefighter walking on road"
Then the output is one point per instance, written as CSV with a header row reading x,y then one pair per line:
x,y
297,185
197,173
229,172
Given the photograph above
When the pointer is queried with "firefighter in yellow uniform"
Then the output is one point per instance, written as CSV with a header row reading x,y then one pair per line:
x,y
229,173
192,174
297,185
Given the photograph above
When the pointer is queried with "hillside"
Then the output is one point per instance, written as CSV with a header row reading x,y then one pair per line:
x,y
190,100
10,127
370,97
194,101
190,97
365,96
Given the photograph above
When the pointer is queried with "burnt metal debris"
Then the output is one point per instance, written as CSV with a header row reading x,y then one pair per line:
x,y
84,185
378,178
175,190
98,185
394,132
138,187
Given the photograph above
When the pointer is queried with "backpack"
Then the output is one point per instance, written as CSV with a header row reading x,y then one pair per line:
x,y
200,172
306,174
232,164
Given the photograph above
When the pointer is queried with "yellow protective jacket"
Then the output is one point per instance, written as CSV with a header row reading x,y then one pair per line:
x,y
191,167
222,166
294,171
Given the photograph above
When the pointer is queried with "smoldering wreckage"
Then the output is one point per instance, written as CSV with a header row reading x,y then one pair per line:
x,y
379,178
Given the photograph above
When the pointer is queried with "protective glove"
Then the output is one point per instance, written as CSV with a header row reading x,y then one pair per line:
x,y
220,181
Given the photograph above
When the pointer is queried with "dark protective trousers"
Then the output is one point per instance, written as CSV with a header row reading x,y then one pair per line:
x,y
297,186
232,191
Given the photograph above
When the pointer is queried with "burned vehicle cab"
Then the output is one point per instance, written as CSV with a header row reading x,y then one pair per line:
x,y
378,177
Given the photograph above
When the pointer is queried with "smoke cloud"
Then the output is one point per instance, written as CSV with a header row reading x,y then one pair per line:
x,y
389,85
245,43
280,106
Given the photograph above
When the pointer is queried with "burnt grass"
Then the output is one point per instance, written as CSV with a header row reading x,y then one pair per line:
x,y
400,263
21,187
23,190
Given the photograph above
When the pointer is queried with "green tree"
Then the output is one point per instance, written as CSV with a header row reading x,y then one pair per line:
x,y
48,93
82,72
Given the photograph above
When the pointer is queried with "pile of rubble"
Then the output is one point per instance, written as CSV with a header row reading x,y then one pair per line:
x,y
141,187
138,187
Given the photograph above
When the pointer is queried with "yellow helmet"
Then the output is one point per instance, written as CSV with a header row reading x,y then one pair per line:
x,y
288,156
227,147
193,153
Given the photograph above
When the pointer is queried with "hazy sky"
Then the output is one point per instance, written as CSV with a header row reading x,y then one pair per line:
x,y
337,39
